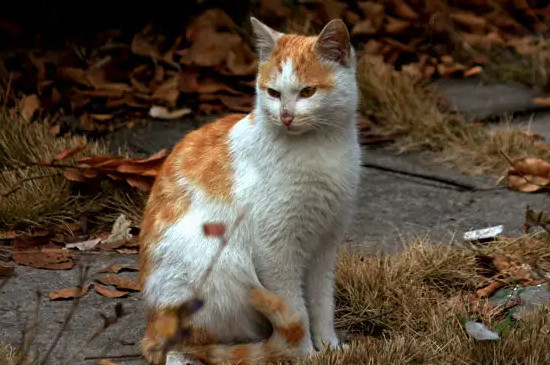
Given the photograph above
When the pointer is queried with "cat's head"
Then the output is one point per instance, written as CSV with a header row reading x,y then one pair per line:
x,y
306,83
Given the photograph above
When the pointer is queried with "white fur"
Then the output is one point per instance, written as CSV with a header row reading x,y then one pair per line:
x,y
298,189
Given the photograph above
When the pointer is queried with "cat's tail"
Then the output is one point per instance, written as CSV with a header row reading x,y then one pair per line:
x,y
284,343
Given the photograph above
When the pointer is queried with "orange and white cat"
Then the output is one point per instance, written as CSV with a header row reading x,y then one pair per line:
x,y
293,164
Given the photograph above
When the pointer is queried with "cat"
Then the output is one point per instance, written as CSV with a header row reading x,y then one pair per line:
x,y
293,165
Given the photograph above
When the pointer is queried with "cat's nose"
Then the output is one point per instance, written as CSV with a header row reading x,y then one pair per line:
x,y
287,119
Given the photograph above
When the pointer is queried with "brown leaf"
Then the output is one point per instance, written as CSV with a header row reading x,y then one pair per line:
x,y
109,293
214,229
241,61
142,183
242,103
120,282
168,92
47,256
529,174
70,152
401,9
476,70
73,75
29,106
209,49
127,251
396,26
6,270
84,245
364,27
490,289
70,293
374,12
116,268
476,24
74,175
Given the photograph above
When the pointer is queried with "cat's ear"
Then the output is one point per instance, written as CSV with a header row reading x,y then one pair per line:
x,y
266,38
333,43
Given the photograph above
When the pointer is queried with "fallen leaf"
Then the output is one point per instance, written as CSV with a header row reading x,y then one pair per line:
x,y
107,362
70,152
214,229
536,218
6,270
70,293
116,268
476,70
120,231
168,92
109,293
529,174
120,282
85,245
29,106
161,112
490,289
542,101
47,256
127,251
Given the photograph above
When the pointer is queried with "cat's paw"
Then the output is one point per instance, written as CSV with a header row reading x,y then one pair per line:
x,y
330,342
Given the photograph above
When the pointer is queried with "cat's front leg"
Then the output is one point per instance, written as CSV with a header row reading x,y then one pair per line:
x,y
320,295
286,280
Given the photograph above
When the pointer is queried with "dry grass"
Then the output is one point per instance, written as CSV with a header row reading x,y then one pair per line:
x,y
42,201
11,356
52,200
416,299
403,107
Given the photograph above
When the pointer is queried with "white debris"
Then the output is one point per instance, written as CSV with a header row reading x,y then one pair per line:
x,y
120,231
480,332
483,234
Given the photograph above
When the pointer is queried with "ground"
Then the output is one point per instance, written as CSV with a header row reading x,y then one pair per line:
x,y
391,208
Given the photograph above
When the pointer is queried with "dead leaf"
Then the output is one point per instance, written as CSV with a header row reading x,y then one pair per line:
x,y
127,251
70,293
542,101
161,112
168,92
401,9
490,289
29,106
120,231
46,256
70,152
116,268
6,270
536,218
120,282
476,24
85,245
476,70
529,174
107,362
109,293
214,229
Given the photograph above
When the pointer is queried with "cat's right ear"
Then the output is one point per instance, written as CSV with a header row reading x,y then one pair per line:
x,y
266,38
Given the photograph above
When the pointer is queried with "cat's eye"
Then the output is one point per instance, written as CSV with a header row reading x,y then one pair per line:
x,y
306,92
273,93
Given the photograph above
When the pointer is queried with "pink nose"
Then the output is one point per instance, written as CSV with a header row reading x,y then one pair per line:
x,y
287,120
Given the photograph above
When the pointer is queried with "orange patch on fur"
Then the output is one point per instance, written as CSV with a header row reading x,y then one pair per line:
x,y
239,354
292,334
265,300
307,66
203,157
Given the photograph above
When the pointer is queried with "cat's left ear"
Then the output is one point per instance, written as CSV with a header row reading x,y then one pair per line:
x,y
333,43
266,38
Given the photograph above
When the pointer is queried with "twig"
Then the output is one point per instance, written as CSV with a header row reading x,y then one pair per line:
x,y
439,179
383,314
107,322
30,333
521,174
224,239
68,317
123,356
18,185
